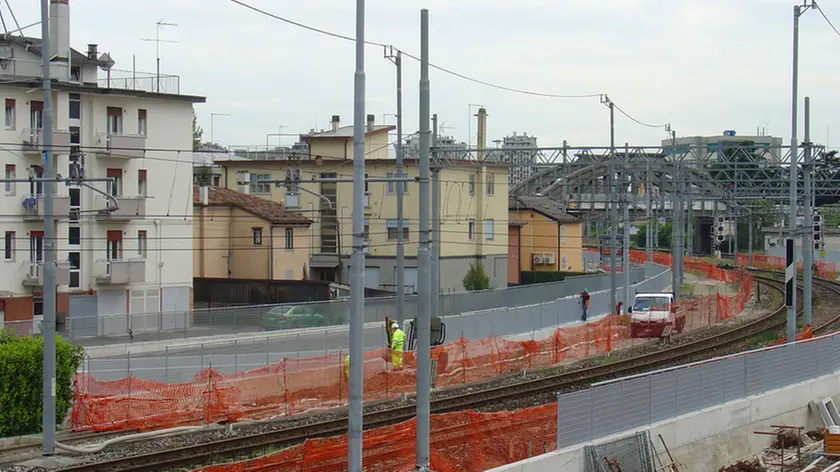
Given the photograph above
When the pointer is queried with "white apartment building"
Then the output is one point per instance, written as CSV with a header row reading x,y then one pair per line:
x,y
119,266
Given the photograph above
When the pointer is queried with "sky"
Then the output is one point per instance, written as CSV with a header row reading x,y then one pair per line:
x,y
702,66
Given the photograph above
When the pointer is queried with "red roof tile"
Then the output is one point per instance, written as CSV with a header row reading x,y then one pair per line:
x,y
268,210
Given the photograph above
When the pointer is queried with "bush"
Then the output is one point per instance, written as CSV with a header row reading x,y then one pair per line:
x,y
476,278
527,277
20,382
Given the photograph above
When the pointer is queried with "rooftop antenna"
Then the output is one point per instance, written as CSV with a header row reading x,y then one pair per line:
x,y
160,24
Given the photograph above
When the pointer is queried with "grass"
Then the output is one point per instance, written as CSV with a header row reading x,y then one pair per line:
x,y
687,289
761,339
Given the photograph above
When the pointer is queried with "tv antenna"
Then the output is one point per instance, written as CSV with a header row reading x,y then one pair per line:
x,y
160,24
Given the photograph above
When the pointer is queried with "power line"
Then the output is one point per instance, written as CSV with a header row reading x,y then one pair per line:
x,y
631,118
825,17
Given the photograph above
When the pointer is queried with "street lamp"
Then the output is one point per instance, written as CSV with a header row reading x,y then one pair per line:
x,y
157,42
213,115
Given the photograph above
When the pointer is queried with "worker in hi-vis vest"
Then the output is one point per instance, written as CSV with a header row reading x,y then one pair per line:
x,y
397,343
347,366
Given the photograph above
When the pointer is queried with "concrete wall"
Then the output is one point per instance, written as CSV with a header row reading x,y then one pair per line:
x,y
714,437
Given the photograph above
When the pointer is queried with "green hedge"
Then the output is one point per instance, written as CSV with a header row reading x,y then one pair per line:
x,y
20,382
541,277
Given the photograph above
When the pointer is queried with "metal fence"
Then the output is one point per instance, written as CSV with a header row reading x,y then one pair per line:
x,y
91,328
536,319
635,402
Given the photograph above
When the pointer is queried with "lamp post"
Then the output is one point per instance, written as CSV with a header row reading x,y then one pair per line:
x,y
212,116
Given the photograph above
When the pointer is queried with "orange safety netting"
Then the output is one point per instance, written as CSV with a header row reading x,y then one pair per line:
x,y
297,385
460,441
827,270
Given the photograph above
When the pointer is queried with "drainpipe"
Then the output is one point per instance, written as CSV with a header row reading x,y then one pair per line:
x,y
159,235
230,242
271,252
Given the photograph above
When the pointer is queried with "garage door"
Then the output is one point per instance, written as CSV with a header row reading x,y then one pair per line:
x,y
372,277
410,279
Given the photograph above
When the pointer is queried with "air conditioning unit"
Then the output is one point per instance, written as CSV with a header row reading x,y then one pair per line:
x,y
538,258
548,258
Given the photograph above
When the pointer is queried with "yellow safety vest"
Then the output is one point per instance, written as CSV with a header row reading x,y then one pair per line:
x,y
398,340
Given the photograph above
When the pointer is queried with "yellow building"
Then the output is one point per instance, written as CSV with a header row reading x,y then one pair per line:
x,y
245,237
337,142
550,239
474,214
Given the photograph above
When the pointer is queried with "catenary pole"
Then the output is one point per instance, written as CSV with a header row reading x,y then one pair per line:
x,y
649,230
436,234
613,208
400,198
423,320
794,155
48,327
626,182
357,261
808,244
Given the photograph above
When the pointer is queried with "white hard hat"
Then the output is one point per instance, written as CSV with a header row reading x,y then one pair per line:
x,y
395,325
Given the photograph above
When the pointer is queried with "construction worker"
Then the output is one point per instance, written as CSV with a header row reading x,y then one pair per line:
x,y
347,366
397,342
584,301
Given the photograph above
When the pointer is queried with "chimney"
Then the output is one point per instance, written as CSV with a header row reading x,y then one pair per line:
x,y
481,133
336,120
92,53
370,120
60,28
243,181
204,194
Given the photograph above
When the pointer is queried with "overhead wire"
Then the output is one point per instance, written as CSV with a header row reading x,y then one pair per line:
x,y
825,17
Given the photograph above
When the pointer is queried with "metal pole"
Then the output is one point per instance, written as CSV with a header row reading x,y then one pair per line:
x,y
794,154
808,243
675,236
357,267
627,224
400,198
436,235
423,321
613,211
48,326
750,243
649,232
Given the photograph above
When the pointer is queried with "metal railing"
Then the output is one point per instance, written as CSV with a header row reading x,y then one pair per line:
x,y
145,82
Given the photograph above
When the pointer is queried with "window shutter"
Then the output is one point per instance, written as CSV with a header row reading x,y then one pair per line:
x,y
10,103
141,114
36,234
36,105
141,175
114,235
116,173
114,111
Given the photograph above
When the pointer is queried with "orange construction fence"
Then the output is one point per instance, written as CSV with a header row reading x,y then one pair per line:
x,y
298,385
826,270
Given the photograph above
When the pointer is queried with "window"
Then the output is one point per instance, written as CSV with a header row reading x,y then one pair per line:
x,y
75,106
75,74
36,115
491,184
392,186
114,186
141,122
564,263
471,229
38,308
563,237
260,187
36,187
489,229
10,113
75,203
75,135
142,243
141,183
75,260
390,189
292,200
290,238
392,230
114,245
9,247
367,230
10,174
114,120
257,236
74,236
472,184
36,246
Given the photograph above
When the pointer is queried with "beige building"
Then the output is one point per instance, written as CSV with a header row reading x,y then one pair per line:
x,y
245,237
550,239
474,212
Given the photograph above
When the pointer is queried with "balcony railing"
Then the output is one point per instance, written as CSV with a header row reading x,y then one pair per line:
x,y
32,139
33,207
35,274
142,81
129,208
120,271
123,146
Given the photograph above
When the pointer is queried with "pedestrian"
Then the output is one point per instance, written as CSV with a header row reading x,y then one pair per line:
x,y
347,367
618,308
397,344
584,301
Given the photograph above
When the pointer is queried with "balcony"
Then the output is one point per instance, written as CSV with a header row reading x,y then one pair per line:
x,y
120,146
128,208
32,140
120,271
33,207
34,278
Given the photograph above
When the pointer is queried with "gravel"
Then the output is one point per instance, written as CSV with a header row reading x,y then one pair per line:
x,y
771,299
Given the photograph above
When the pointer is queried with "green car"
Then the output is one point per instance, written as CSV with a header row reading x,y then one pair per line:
x,y
283,317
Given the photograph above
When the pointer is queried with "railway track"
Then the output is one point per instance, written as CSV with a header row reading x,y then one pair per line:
x,y
8,453
226,449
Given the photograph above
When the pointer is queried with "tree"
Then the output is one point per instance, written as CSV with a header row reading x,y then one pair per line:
x,y
203,175
476,278
20,378
198,133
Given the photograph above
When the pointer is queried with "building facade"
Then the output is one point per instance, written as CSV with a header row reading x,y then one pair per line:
x,y
473,215
123,237
518,151
710,146
241,236
550,239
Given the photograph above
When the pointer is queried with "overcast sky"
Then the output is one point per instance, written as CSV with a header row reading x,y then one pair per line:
x,y
702,65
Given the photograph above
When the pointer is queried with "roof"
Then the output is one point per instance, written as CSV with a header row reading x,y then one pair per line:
x,y
346,132
545,206
268,210
516,222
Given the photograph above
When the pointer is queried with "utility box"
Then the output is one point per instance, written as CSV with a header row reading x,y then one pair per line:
x,y
832,441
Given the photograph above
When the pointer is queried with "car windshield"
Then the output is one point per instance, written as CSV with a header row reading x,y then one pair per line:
x,y
651,304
